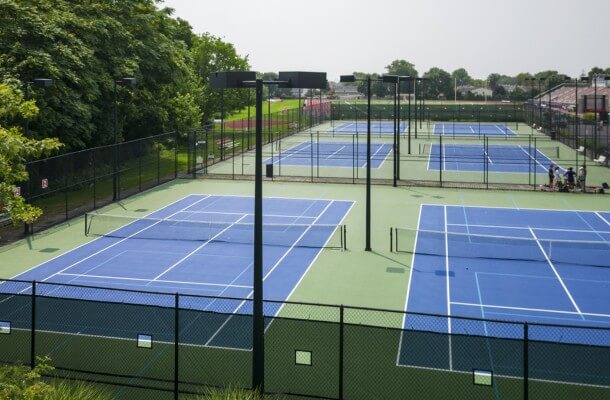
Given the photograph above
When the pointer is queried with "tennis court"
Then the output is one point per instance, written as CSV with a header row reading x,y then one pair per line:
x,y
332,154
474,129
493,158
505,264
199,245
377,127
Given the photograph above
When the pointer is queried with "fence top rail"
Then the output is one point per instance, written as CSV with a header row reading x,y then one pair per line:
x,y
106,146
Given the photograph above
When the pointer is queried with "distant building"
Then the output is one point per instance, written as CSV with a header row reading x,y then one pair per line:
x,y
345,90
482,92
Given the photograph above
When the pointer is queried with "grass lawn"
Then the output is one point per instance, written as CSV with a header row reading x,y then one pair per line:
x,y
276,106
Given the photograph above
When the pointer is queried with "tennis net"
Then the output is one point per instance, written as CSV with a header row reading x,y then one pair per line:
x,y
289,235
472,246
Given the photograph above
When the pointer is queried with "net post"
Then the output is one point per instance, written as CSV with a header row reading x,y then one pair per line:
x,y
341,350
344,237
391,240
176,344
396,239
525,361
33,328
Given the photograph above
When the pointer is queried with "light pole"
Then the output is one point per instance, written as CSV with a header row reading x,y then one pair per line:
x,y
368,80
40,83
540,80
531,85
126,82
396,80
596,79
247,79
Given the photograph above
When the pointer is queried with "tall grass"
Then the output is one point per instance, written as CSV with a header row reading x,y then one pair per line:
x,y
231,394
74,390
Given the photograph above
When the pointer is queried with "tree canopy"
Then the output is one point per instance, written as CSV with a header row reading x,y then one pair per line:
x,y
86,46
15,149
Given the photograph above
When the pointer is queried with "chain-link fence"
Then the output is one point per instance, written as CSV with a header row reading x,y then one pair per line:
x,y
471,146
72,184
172,344
588,137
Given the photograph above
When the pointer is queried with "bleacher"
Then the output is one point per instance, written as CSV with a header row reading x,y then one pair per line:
x,y
564,96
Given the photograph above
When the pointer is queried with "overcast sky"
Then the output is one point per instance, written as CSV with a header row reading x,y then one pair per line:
x,y
343,36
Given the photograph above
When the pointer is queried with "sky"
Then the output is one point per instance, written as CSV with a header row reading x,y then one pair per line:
x,y
343,36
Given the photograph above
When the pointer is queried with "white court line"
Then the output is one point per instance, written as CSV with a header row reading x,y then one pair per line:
x,y
270,271
333,154
542,310
471,130
373,155
448,290
159,280
387,154
120,241
197,249
16,277
283,155
489,158
240,214
589,225
404,316
530,156
538,229
565,288
602,218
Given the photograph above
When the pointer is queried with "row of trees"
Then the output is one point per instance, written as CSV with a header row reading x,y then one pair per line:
x,y
85,46
444,83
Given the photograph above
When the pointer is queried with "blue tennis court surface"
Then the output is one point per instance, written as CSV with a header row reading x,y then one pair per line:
x,y
199,245
474,129
496,158
332,154
503,264
377,127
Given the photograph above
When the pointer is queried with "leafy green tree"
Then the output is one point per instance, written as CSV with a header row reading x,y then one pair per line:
x,y
596,71
211,54
551,79
439,83
84,47
493,80
461,76
14,150
403,68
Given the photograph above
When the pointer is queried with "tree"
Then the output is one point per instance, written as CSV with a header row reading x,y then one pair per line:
x,y
211,54
596,71
493,80
439,82
402,67
551,79
461,76
14,150
84,47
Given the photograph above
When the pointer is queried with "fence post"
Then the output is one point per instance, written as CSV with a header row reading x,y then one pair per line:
x,y
94,179
525,361
33,328
341,312
140,152
176,137
176,345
